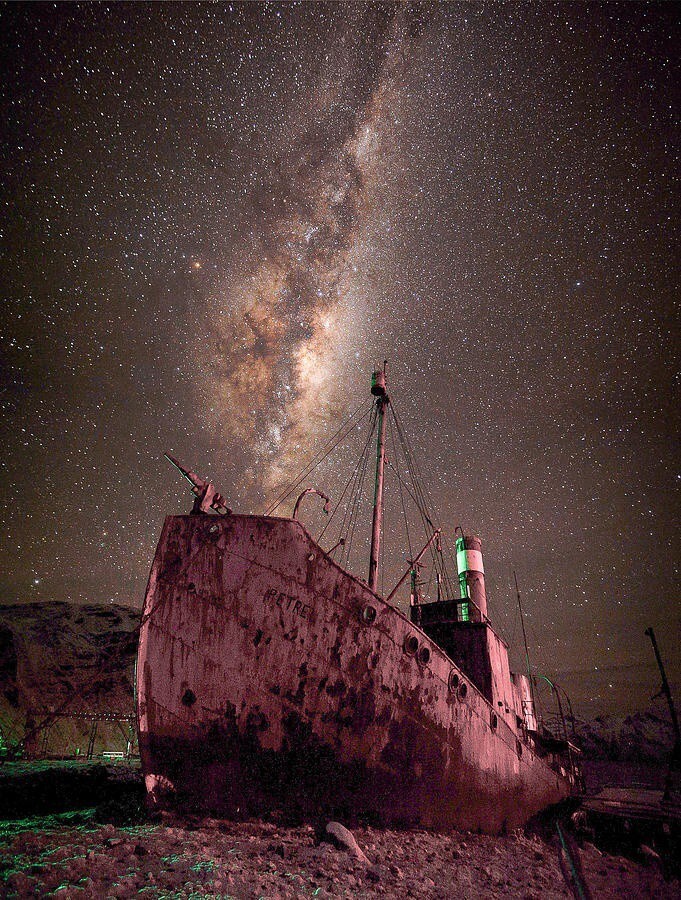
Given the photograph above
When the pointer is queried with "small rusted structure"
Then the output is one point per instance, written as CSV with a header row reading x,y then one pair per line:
x,y
268,675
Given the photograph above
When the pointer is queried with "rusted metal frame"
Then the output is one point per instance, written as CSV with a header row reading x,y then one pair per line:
x,y
412,564
91,741
671,781
204,491
556,688
304,494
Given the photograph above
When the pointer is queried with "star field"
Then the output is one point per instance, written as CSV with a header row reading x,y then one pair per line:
x,y
218,219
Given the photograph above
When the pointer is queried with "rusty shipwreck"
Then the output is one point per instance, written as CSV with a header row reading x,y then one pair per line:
x,y
269,676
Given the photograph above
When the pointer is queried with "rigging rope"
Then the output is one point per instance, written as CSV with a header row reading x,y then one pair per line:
x,y
399,483
341,433
419,498
351,479
354,487
358,493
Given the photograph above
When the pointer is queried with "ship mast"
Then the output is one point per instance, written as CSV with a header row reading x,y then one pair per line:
x,y
378,389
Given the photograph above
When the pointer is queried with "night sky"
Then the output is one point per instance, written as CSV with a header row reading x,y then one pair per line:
x,y
218,219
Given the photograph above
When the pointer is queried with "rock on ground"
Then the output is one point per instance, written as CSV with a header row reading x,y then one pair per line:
x,y
340,836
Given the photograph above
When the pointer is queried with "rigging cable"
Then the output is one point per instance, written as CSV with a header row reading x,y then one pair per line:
x,y
357,496
399,484
422,505
351,480
417,495
342,432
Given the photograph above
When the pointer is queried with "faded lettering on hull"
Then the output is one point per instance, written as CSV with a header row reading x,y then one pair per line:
x,y
287,602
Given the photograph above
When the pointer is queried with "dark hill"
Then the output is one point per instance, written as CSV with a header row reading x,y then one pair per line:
x,y
643,737
61,665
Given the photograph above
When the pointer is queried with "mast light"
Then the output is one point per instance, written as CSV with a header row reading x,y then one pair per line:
x,y
378,386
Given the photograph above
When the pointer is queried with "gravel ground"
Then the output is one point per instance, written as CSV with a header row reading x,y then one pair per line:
x,y
70,855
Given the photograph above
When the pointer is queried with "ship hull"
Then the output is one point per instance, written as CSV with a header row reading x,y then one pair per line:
x,y
270,678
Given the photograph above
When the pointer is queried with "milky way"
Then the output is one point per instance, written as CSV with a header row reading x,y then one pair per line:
x,y
218,219
290,319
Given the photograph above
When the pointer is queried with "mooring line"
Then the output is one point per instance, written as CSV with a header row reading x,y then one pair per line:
x,y
579,888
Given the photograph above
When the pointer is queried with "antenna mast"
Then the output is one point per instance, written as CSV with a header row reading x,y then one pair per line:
x,y
522,622
665,685
378,389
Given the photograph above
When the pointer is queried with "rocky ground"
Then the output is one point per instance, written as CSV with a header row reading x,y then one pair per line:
x,y
115,851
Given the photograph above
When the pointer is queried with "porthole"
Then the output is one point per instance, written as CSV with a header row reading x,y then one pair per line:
x,y
369,614
411,644
463,690
453,681
493,721
424,655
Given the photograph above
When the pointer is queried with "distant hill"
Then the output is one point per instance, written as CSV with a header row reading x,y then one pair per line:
x,y
77,661
644,737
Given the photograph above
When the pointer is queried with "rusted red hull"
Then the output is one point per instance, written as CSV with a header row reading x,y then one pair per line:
x,y
270,677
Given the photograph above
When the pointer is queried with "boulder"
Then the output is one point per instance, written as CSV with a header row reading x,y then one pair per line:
x,y
343,838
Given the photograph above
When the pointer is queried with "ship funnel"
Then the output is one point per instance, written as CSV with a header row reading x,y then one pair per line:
x,y
471,571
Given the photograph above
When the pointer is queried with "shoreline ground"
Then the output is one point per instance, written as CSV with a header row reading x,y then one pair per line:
x,y
113,850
